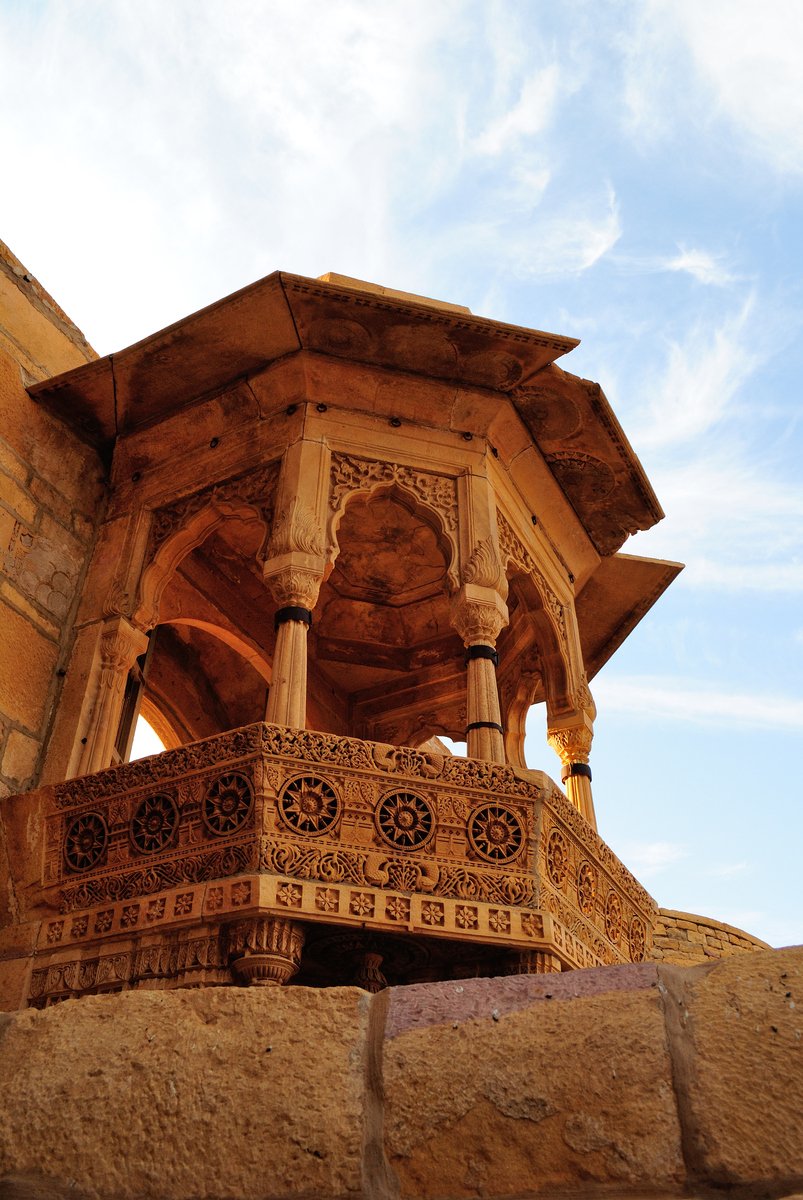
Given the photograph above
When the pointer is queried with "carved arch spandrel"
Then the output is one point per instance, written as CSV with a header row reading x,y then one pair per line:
x,y
429,496
159,570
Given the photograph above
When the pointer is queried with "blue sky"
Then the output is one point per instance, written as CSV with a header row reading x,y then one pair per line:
x,y
627,173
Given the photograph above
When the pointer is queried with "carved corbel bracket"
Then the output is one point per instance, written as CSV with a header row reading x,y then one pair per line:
x,y
296,528
484,568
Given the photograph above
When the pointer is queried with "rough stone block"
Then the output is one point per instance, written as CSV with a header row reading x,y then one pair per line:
x,y
26,668
222,1093
17,600
522,1086
17,499
19,758
16,947
11,463
737,1043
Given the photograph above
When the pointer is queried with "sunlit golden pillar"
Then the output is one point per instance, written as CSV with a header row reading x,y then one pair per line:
x,y
119,645
294,569
571,739
478,615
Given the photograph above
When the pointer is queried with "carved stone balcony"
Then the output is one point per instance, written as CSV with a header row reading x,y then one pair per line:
x,y
217,862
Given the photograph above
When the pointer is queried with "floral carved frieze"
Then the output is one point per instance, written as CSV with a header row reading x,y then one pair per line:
x,y
438,493
351,474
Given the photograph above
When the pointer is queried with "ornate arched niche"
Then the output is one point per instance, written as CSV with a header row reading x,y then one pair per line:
x,y
213,637
179,528
382,647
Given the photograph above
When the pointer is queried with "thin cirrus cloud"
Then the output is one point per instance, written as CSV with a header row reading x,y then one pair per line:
x,y
704,372
531,114
743,74
701,265
668,698
648,859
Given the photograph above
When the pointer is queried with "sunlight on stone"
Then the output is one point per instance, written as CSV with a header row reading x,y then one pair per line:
x,y
146,741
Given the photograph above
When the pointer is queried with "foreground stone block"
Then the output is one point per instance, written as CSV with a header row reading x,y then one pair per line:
x,y
216,1093
737,1042
529,1086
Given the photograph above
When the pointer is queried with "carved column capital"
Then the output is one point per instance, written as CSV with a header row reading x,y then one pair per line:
x,y
121,643
478,614
571,739
572,744
294,579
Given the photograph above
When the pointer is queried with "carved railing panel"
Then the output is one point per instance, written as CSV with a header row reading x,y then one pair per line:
x,y
146,865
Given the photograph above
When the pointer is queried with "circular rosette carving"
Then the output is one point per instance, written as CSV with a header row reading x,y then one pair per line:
x,y
154,823
587,888
85,841
405,821
613,917
227,804
638,939
495,833
557,857
309,805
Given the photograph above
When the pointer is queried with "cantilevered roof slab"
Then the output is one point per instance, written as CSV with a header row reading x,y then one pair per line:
x,y
619,593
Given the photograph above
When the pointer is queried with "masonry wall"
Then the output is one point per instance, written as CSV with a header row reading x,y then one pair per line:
x,y
685,938
51,495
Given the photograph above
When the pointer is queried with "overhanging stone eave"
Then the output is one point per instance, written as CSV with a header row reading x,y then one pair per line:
x,y
245,332
193,357
585,447
618,595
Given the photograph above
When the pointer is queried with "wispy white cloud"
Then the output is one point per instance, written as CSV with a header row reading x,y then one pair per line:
x,y
727,870
701,265
750,60
740,66
551,244
530,114
702,375
648,859
667,698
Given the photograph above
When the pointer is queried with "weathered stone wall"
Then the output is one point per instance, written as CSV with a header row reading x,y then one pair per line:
x,y
51,489
685,938
648,1080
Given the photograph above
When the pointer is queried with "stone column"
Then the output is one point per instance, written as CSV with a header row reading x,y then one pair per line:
x,y
119,646
296,592
571,741
478,614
